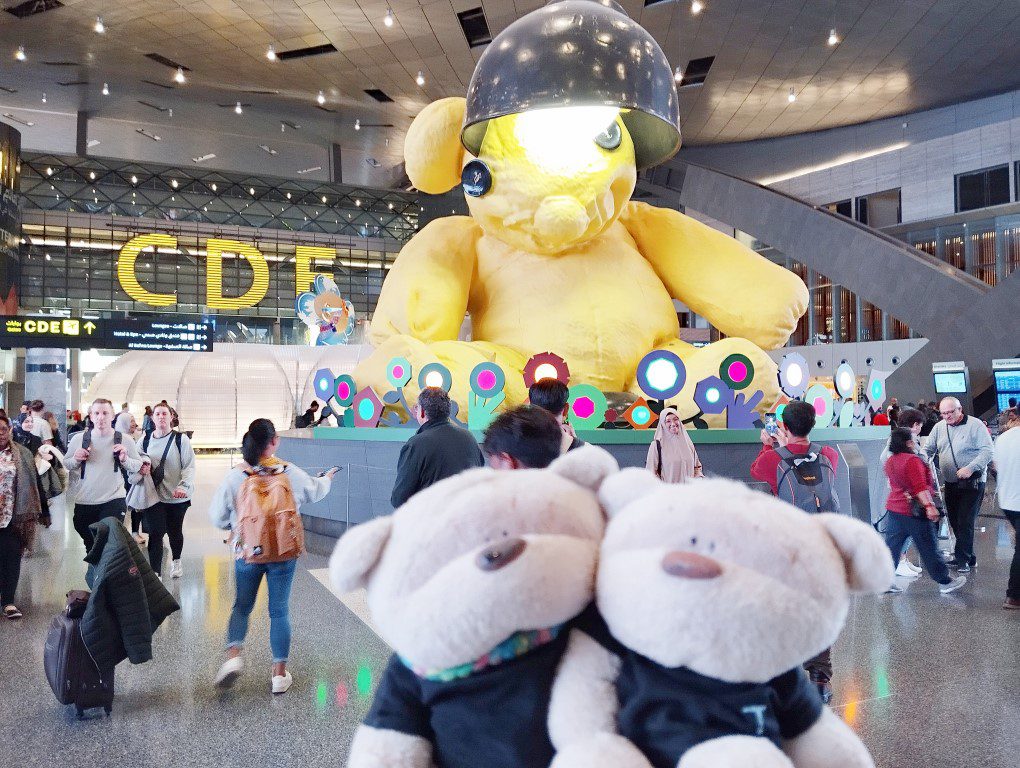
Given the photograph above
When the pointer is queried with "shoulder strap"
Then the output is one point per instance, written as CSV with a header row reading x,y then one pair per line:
x,y
86,441
118,439
145,442
785,454
177,439
658,450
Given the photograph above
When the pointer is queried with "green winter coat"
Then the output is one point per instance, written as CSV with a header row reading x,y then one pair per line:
x,y
128,600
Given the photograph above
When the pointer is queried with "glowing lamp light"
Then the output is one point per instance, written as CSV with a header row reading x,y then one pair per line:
x,y
697,7
99,27
487,380
546,365
661,375
435,375
271,53
562,139
321,695
420,79
344,389
845,381
343,695
388,18
398,372
586,406
712,395
20,54
793,374
820,398
323,383
876,389
179,76
321,98
833,37
737,371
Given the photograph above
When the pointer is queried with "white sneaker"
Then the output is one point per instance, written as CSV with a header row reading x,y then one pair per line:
x,y
228,672
176,571
893,590
282,683
915,568
952,586
905,570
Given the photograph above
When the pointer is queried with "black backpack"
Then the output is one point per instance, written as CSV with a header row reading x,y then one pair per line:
x,y
807,481
86,441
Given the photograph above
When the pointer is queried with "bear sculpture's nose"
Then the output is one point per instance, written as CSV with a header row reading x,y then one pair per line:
x,y
690,565
502,553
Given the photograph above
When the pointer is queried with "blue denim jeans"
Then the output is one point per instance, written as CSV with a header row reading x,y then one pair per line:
x,y
279,577
901,527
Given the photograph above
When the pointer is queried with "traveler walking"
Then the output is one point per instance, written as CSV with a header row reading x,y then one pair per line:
x,y
671,455
801,473
40,427
260,500
912,511
552,395
98,461
123,421
19,514
147,423
964,448
1007,460
439,449
51,421
163,490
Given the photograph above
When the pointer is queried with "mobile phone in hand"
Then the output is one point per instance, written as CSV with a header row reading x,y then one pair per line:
x,y
771,424
327,470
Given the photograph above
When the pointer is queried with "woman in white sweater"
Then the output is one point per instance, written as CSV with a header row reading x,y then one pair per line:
x,y
164,489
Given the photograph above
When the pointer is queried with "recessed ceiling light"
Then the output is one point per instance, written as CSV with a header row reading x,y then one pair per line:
x,y
20,54
268,149
92,175
420,79
697,6
324,199
288,195
388,18
678,74
134,179
173,183
310,170
44,97
357,203
357,125
99,26
390,206
179,76
49,171
833,37
106,89
251,190
237,108
271,53
792,96
213,185
321,98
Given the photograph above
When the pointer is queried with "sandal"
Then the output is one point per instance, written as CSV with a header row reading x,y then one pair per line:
x,y
12,612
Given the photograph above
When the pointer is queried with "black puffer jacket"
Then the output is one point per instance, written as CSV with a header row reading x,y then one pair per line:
x,y
128,600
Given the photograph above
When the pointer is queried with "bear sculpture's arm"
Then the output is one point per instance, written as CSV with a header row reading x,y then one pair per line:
x,y
582,710
739,292
829,742
425,295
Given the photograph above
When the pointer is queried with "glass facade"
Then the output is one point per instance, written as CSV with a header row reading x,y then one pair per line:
x,y
119,188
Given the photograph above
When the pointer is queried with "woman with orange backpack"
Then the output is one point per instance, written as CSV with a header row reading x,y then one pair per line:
x,y
259,502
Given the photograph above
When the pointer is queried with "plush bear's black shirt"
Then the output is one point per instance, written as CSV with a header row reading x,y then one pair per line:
x,y
494,718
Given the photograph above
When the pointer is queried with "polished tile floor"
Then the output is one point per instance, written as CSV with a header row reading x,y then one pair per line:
x,y
928,681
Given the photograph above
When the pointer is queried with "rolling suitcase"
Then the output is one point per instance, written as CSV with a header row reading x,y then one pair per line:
x,y
70,669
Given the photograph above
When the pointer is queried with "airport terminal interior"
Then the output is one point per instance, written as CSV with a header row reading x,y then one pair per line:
x,y
510,383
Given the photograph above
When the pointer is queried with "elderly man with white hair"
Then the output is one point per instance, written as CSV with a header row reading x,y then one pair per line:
x,y
964,448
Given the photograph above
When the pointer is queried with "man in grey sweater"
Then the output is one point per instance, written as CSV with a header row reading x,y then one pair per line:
x,y
964,448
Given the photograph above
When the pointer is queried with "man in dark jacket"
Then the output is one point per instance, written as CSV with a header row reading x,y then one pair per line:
x,y
438,450
128,601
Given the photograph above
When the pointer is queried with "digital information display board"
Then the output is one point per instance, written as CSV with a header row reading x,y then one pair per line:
x,y
165,334
1007,381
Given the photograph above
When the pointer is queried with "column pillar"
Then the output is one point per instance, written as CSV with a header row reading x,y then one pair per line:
x,y
46,380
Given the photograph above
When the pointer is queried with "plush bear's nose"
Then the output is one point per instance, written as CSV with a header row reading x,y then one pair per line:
x,y
690,565
504,552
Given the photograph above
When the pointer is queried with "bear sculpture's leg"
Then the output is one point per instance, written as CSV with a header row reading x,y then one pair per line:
x,y
735,752
703,362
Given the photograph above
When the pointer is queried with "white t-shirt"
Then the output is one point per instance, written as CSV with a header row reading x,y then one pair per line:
x,y
1007,462
41,428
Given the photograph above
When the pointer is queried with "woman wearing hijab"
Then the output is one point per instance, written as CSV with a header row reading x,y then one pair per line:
x,y
672,456
19,514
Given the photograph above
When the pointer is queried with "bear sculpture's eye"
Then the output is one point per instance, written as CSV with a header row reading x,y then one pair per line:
x,y
476,178
610,138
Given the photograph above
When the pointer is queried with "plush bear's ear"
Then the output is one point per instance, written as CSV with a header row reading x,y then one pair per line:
x,y
433,154
588,465
625,486
869,567
358,552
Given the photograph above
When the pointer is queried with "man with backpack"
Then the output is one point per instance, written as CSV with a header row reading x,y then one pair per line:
x,y
803,474
98,461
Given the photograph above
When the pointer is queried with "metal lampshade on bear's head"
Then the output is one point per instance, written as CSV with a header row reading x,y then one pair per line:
x,y
579,53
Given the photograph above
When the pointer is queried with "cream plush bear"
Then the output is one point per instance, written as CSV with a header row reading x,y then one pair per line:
x,y
472,582
714,595
555,256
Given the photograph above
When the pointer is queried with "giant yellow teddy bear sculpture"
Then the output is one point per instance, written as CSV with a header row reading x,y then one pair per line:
x,y
555,256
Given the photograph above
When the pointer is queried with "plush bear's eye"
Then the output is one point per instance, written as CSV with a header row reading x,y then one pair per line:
x,y
611,138
476,178
711,546
506,535
694,541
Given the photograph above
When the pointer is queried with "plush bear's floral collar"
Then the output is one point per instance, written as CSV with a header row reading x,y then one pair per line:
x,y
514,646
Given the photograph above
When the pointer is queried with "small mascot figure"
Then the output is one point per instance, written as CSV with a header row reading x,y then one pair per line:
x,y
713,596
474,582
324,310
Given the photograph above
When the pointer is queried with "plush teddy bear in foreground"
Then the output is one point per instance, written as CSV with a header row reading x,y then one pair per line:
x,y
471,583
714,596
555,256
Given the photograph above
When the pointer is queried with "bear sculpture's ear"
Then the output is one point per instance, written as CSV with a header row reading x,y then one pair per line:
x,y
433,154
358,552
588,466
868,565
624,487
